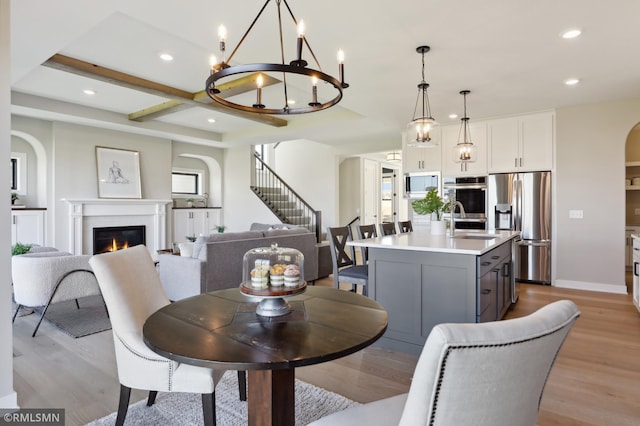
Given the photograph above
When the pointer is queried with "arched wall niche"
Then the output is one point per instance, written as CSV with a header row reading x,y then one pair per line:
x,y
40,199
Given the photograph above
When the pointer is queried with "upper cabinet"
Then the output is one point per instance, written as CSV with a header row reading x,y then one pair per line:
x,y
450,139
522,143
420,159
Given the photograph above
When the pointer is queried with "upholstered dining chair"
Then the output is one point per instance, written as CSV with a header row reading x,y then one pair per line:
x,y
475,374
132,291
405,226
345,269
364,232
387,228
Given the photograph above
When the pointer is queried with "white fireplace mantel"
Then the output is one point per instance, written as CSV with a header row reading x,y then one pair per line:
x,y
85,214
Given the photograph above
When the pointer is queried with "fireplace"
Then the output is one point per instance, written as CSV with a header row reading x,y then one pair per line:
x,y
112,238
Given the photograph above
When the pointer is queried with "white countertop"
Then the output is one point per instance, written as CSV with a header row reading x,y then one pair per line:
x,y
422,240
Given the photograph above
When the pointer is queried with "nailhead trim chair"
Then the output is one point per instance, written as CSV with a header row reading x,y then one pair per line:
x,y
132,291
475,374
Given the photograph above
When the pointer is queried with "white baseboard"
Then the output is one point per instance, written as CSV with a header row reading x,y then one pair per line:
x,y
584,285
9,401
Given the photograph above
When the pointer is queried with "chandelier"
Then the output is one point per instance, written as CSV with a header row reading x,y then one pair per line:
x,y
421,130
464,152
259,72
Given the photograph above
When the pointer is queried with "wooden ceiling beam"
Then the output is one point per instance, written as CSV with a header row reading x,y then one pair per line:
x,y
96,72
228,89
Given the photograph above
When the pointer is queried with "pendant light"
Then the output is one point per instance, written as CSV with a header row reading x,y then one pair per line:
x,y
464,152
421,131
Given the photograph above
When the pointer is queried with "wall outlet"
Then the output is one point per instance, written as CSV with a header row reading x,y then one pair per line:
x,y
576,214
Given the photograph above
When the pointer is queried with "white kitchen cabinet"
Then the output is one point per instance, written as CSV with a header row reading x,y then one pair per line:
x,y
193,222
421,159
523,143
628,245
450,136
636,271
27,226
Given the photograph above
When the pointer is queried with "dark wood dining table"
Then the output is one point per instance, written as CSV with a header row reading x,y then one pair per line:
x,y
221,330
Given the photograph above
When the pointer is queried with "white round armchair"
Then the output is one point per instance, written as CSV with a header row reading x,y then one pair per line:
x,y
43,278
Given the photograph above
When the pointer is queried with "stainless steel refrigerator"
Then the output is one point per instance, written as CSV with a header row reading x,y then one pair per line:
x,y
522,202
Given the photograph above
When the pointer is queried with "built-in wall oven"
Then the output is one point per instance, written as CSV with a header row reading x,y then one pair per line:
x,y
472,193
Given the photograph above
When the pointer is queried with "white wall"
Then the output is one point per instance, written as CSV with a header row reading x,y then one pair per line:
x,y
350,170
8,398
311,170
309,167
590,157
241,206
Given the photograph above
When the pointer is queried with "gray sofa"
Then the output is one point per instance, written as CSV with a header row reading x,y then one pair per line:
x,y
216,262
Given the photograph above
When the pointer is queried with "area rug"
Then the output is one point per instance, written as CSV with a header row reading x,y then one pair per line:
x,y
183,409
89,319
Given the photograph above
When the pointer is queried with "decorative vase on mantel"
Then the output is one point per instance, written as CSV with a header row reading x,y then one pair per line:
x,y
438,227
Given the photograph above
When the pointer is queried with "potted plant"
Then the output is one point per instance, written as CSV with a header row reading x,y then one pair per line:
x,y
435,206
191,238
14,197
190,202
20,248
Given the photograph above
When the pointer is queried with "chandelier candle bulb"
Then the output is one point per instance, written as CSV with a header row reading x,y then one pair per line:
x,y
259,83
300,39
314,92
341,68
213,61
222,37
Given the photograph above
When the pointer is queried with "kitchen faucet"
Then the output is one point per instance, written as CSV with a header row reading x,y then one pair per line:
x,y
453,203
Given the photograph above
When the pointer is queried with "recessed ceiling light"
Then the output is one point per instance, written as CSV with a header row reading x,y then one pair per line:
x,y
571,81
89,92
166,57
452,116
211,120
572,33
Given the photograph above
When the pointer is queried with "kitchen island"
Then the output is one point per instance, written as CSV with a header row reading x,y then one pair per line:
x,y
423,280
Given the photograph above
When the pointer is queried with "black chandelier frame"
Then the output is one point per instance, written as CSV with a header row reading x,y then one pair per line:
x,y
298,66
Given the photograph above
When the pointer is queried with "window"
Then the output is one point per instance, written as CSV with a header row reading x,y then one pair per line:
x,y
19,172
187,183
14,174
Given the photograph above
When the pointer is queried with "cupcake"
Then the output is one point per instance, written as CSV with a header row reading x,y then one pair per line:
x,y
276,274
259,278
292,276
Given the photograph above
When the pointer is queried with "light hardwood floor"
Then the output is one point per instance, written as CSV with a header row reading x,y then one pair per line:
x,y
595,381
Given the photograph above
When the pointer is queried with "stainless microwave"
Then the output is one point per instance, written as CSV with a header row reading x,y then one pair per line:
x,y
417,184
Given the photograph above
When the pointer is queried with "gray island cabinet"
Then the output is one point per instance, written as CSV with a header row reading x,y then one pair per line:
x,y
423,280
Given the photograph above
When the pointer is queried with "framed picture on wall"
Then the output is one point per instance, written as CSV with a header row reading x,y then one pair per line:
x,y
118,173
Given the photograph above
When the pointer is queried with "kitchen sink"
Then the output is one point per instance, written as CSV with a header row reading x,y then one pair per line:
x,y
474,236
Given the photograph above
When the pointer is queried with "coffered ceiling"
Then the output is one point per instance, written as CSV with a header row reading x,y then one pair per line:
x,y
509,53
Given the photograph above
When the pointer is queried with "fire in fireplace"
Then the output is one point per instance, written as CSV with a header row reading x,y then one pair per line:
x,y
114,238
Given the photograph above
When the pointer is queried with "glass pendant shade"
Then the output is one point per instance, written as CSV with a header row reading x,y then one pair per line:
x,y
423,132
464,151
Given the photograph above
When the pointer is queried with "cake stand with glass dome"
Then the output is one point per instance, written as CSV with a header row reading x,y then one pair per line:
x,y
272,274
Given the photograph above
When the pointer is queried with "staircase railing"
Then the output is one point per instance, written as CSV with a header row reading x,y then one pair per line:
x,y
282,200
